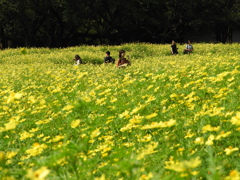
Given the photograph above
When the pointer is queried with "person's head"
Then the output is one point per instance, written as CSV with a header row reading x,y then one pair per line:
x,y
189,42
121,53
108,53
173,42
77,57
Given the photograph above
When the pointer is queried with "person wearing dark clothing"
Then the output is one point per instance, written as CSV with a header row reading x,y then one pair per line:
x,y
174,49
122,61
108,58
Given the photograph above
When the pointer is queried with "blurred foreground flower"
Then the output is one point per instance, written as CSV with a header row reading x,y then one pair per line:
x,y
182,166
13,96
230,149
236,119
75,123
161,124
39,174
233,175
199,140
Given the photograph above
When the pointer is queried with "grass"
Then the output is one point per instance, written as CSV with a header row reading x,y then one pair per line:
x,y
164,117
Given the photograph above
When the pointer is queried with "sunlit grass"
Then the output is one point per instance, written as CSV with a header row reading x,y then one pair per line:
x,y
164,117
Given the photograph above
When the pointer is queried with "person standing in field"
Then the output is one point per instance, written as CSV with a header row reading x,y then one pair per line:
x,y
174,49
122,61
77,60
108,58
189,48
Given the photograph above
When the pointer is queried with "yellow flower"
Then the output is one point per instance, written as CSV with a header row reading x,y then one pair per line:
x,y
68,107
199,140
75,123
184,165
39,174
146,177
57,138
125,114
233,175
10,155
161,124
13,122
209,142
13,96
25,135
150,116
236,119
36,150
95,133
210,128
222,135
100,178
230,149
149,149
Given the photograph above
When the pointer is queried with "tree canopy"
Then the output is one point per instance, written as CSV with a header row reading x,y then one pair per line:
x,y
62,23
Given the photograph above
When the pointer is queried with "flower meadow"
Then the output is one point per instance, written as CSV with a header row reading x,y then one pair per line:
x,y
163,117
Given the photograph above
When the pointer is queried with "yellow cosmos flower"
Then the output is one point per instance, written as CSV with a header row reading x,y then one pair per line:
x,y
149,149
14,96
223,135
68,107
233,175
25,135
209,142
75,123
13,122
100,178
39,174
10,155
150,116
184,165
230,150
161,124
199,140
210,128
36,150
236,119
146,177
95,133
57,138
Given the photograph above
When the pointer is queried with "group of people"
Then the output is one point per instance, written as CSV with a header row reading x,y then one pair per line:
x,y
188,49
122,61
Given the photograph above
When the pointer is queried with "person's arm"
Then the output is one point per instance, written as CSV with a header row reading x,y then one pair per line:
x,y
171,49
118,63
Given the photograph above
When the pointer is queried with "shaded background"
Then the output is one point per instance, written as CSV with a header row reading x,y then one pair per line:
x,y
63,23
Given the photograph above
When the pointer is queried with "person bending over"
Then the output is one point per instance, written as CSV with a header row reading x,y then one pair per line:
x,y
77,60
122,61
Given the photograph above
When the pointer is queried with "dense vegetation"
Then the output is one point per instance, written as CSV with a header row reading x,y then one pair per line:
x,y
62,23
163,117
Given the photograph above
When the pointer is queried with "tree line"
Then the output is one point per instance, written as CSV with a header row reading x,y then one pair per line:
x,y
62,23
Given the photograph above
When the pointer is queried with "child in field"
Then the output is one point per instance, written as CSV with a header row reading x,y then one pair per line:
x,y
122,61
174,49
77,60
108,58
189,48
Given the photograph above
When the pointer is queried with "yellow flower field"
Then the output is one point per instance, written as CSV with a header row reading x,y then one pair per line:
x,y
163,117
